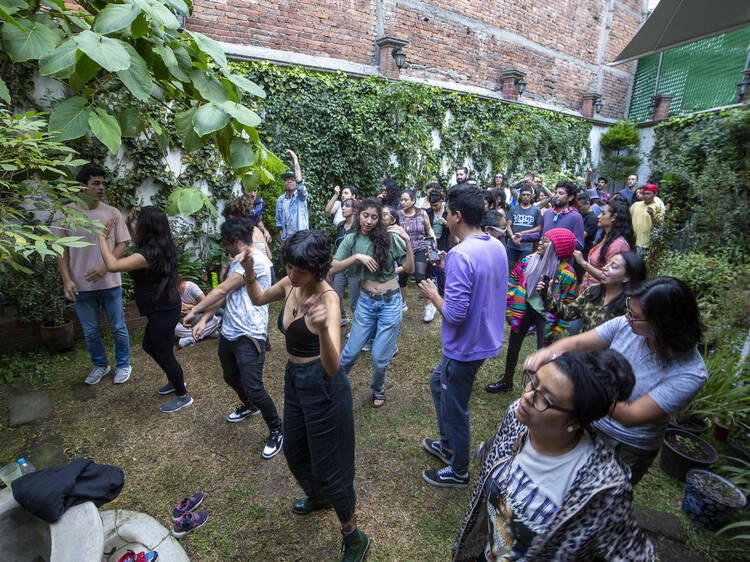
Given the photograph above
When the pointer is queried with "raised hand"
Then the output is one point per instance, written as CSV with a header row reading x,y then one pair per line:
x,y
131,216
368,261
108,228
400,232
578,255
245,259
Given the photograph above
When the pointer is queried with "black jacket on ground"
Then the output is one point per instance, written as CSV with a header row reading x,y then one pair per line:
x,y
50,492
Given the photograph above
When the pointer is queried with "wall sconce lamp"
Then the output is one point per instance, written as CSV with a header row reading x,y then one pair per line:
x,y
399,56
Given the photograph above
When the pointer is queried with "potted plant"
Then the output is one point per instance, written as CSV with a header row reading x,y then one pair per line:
x,y
710,499
682,450
738,441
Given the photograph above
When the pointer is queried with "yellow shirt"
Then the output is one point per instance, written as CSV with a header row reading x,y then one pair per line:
x,y
642,223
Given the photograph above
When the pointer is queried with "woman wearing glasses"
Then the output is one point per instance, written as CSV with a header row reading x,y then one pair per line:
x,y
549,489
658,333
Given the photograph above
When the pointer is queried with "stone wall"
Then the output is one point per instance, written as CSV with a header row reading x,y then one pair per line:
x,y
562,46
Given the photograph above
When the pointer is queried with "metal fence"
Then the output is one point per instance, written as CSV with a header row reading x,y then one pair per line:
x,y
700,75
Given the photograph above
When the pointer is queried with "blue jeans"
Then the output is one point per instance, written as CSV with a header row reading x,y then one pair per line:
x,y
378,319
340,282
451,383
87,308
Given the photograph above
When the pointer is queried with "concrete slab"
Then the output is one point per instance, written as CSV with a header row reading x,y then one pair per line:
x,y
29,407
659,523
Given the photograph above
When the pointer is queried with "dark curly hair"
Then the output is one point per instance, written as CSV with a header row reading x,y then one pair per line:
x,y
85,174
621,227
392,192
154,240
309,250
600,379
671,309
379,236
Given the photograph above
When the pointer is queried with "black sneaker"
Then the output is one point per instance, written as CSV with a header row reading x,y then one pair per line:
x,y
499,386
241,412
176,403
445,478
273,444
434,447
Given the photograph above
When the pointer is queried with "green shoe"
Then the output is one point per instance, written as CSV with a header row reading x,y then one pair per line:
x,y
354,546
307,505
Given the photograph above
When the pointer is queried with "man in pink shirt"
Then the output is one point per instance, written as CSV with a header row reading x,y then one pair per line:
x,y
87,282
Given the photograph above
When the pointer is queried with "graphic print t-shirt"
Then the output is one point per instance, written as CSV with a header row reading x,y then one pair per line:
x,y
524,494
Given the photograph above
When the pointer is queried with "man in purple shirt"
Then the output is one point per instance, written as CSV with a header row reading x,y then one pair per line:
x,y
476,286
561,216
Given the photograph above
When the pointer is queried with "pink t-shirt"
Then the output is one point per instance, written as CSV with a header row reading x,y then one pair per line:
x,y
619,245
88,257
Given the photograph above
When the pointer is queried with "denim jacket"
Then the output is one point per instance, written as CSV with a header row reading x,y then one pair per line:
x,y
298,216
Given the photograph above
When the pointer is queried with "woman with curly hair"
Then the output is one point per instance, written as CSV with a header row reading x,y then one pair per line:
x,y
550,488
318,426
153,267
390,193
370,255
618,236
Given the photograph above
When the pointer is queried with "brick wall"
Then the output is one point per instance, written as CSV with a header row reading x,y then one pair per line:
x,y
562,45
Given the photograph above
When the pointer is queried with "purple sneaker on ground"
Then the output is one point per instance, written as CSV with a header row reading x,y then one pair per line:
x,y
191,520
186,505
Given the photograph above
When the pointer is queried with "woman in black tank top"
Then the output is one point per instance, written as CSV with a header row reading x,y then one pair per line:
x,y
318,426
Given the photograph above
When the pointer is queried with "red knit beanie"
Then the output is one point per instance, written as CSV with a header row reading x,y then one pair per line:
x,y
563,240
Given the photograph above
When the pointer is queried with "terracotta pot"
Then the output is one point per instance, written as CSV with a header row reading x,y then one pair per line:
x,y
57,338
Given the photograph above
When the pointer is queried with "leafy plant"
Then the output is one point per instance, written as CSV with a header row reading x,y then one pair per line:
x,y
725,395
138,46
620,157
38,297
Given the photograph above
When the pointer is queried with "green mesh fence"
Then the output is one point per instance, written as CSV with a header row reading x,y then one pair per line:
x,y
700,75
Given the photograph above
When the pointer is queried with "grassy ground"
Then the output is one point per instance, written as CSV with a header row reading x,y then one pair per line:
x,y
166,457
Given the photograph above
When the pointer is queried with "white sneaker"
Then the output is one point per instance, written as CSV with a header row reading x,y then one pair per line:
x,y
404,308
96,374
273,444
184,342
429,312
122,374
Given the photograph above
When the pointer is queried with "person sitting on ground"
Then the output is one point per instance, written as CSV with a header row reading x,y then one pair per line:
x,y
190,295
549,488
525,306
658,333
606,300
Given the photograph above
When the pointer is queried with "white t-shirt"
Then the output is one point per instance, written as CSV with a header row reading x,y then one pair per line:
x,y
524,493
241,316
191,293
338,216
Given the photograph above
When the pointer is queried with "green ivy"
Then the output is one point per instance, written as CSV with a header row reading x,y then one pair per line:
x,y
620,158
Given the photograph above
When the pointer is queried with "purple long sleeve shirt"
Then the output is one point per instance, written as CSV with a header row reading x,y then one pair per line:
x,y
476,287
573,221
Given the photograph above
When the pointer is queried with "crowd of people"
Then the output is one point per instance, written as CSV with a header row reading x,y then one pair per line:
x,y
616,350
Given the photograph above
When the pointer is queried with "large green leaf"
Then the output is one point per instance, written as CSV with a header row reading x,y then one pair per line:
x,y
59,59
190,200
210,47
85,70
139,27
209,87
242,155
158,14
208,118
241,113
12,6
35,40
183,124
130,122
4,92
245,85
70,119
106,128
136,77
115,17
251,181
109,53
179,6
170,61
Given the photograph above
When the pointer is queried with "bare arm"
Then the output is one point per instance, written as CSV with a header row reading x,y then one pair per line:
x,y
641,411
69,287
113,262
295,161
428,228
324,313
216,297
408,265
332,201
590,269
587,341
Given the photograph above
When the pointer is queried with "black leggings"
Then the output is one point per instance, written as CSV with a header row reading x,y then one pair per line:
x,y
158,342
420,268
530,317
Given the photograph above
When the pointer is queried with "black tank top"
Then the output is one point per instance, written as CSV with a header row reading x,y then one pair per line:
x,y
300,341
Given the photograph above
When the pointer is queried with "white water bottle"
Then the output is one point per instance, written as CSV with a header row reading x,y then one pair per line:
x,y
25,466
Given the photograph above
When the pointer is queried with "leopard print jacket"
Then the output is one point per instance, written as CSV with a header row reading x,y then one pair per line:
x,y
596,520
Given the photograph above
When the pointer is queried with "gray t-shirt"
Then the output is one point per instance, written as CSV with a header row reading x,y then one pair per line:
x,y
524,219
671,387
241,316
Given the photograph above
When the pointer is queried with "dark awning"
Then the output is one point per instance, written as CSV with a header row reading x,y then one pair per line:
x,y
677,22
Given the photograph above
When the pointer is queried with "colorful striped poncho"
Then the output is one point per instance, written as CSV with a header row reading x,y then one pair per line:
x,y
563,290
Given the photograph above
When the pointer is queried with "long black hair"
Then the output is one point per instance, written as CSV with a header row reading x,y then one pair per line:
x,y
154,239
379,236
671,309
636,270
392,192
600,380
621,227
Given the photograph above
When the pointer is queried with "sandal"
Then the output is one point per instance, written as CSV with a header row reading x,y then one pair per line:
x,y
378,396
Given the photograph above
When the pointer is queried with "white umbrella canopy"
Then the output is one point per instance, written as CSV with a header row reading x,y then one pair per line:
x,y
677,22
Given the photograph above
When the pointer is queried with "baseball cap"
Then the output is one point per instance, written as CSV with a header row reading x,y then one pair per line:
x,y
287,175
650,187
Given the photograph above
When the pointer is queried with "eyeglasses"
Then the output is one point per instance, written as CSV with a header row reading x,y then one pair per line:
x,y
629,312
539,400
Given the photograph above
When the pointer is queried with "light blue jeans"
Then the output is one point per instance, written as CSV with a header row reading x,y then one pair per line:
x,y
87,308
378,319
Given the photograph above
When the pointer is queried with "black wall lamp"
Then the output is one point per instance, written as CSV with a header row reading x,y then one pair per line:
x,y
399,56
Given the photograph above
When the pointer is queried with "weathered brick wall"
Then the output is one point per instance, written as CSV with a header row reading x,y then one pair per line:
x,y
561,45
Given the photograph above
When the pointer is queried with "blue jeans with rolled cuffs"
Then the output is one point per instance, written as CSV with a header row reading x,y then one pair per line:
x,y
451,383
380,320
87,307
319,434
